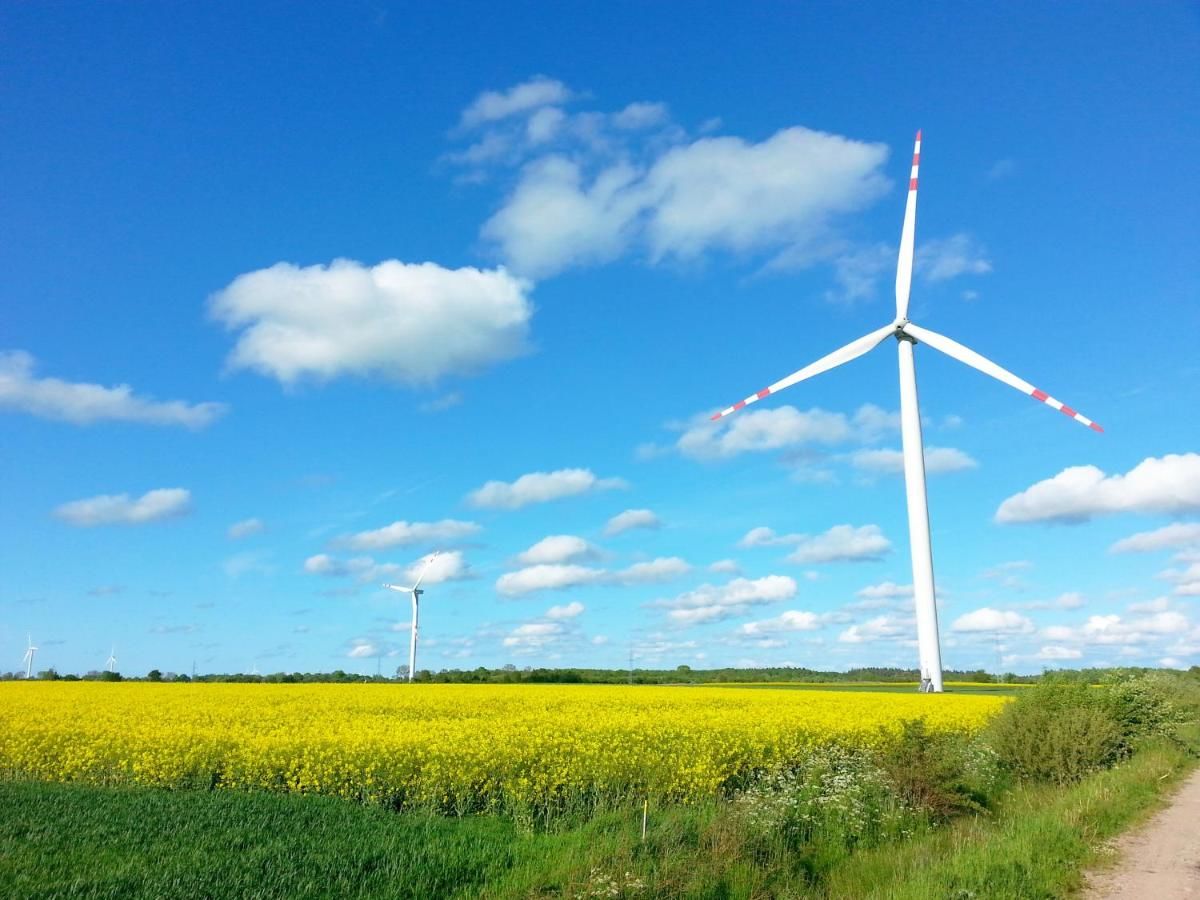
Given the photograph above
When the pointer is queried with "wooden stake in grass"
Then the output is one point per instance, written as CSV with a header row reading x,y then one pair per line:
x,y
645,810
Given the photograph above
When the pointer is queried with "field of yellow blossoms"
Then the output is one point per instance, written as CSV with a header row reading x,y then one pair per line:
x,y
457,748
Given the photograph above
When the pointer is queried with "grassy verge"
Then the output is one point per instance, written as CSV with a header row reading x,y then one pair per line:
x,y
71,841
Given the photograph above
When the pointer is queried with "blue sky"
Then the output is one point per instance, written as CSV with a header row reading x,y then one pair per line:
x,y
295,296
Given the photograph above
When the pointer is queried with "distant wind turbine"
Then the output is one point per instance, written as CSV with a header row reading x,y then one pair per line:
x,y
112,659
907,335
30,650
416,592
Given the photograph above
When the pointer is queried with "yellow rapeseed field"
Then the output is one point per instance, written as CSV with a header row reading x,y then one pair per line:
x,y
457,748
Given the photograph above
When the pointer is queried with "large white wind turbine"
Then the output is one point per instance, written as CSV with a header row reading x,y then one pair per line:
x,y
28,657
112,659
907,335
416,593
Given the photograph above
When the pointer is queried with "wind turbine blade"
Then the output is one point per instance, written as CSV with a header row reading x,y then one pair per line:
x,y
983,364
428,563
399,587
853,350
904,265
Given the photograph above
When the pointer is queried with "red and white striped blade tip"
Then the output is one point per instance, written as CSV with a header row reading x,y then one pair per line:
x,y
1064,409
739,405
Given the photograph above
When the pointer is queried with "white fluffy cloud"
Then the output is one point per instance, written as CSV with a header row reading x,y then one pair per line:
x,y
1152,622
245,528
541,487
446,566
664,568
887,590
937,460
551,576
842,543
710,193
557,548
533,636
712,603
763,429
1058,652
1168,484
944,258
546,577
407,322
568,611
791,620
725,566
631,519
121,509
1175,536
880,628
402,533
491,106
996,621
81,403
361,648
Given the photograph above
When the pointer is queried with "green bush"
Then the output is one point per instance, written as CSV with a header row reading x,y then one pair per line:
x,y
943,774
1059,730
1144,705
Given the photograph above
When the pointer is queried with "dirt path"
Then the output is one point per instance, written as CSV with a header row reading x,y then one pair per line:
x,y
1160,860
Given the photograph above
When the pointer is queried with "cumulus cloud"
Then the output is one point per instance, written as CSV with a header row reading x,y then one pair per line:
x,y
996,621
446,566
712,603
491,106
534,636
361,648
407,322
711,193
550,576
887,590
1177,535
725,566
81,403
763,429
791,620
402,533
891,462
121,509
546,577
245,528
664,568
945,258
557,548
1057,652
842,543
631,519
1168,484
568,611
541,487
880,628
1113,629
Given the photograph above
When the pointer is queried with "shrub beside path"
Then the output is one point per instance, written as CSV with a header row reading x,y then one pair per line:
x,y
1160,860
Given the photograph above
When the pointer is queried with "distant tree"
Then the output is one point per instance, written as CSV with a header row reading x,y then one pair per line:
x,y
154,675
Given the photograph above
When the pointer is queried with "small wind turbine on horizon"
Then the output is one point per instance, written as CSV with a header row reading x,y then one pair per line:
x,y
416,592
30,650
907,335
112,659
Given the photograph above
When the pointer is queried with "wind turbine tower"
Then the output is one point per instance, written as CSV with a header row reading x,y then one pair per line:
x,y
30,650
415,592
112,659
907,336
